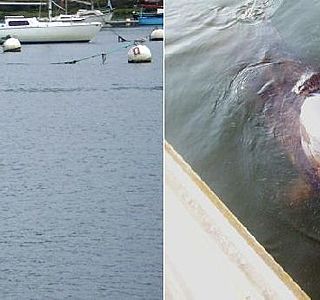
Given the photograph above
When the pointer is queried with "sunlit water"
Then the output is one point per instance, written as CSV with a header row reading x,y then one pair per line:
x,y
216,52
80,172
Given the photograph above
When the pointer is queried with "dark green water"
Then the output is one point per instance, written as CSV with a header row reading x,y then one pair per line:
x,y
80,172
214,54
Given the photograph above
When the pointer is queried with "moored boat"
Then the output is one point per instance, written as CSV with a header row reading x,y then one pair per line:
x,y
151,19
87,15
150,12
31,30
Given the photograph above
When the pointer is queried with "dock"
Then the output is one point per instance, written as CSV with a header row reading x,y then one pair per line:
x,y
209,254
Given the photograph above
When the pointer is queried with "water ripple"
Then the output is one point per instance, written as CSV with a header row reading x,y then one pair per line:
x,y
46,90
252,12
138,88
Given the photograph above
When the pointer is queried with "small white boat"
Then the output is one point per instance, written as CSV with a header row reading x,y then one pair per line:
x,y
31,30
95,15
85,15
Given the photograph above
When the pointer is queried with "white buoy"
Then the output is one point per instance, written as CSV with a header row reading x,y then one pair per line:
x,y
156,35
139,54
309,127
11,45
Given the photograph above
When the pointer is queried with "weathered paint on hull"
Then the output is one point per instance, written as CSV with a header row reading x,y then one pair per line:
x,y
209,254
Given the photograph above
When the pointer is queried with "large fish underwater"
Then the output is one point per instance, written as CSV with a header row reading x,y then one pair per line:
x,y
290,93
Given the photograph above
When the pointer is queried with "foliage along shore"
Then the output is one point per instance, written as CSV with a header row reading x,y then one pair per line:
x,y
122,9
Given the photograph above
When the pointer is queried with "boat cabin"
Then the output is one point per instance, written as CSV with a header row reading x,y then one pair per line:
x,y
14,21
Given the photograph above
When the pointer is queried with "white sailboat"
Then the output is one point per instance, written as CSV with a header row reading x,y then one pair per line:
x,y
31,30
87,15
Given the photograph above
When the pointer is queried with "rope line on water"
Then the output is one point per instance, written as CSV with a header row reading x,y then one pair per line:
x,y
103,55
123,39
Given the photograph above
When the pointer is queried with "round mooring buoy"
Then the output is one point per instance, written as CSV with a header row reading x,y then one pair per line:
x,y
11,45
156,35
139,54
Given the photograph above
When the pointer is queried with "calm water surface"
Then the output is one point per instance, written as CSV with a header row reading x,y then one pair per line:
x,y
80,172
214,50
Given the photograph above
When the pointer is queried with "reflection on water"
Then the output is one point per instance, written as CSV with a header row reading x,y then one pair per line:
x,y
80,180
223,76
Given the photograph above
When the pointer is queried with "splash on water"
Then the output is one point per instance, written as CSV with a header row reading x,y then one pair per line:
x,y
256,11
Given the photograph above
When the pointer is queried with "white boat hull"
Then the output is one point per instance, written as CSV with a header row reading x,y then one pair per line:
x,y
52,32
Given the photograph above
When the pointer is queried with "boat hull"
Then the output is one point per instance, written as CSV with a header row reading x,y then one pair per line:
x,y
150,20
52,32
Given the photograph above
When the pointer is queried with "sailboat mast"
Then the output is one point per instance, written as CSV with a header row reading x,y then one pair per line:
x,y
50,9
109,5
